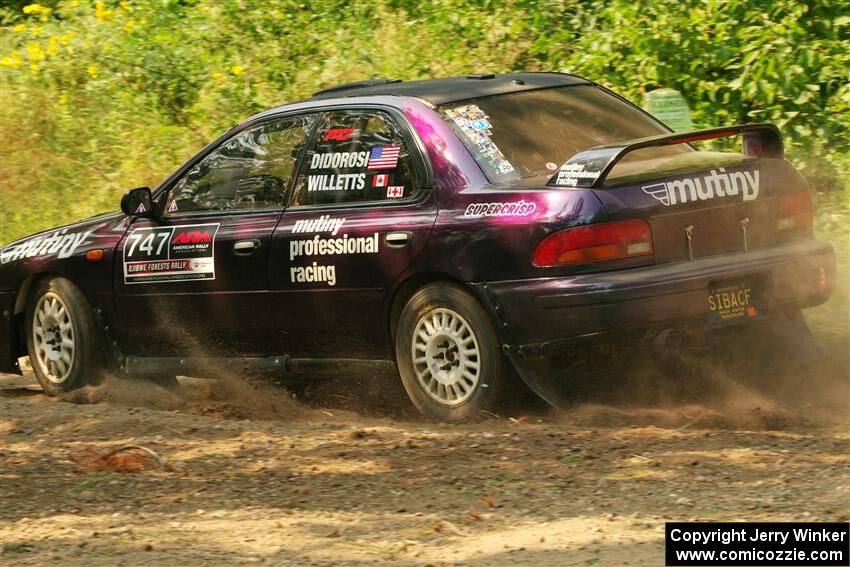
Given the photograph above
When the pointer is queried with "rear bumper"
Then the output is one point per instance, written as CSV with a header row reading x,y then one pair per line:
x,y
537,316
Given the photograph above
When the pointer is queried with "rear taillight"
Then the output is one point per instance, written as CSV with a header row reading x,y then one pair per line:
x,y
795,212
595,243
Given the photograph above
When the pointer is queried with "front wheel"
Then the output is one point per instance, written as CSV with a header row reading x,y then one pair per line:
x,y
448,355
61,337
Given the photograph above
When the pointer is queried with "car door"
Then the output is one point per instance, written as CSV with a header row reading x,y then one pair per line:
x,y
359,215
195,281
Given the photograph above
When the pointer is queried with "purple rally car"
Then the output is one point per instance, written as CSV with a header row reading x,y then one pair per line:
x,y
460,230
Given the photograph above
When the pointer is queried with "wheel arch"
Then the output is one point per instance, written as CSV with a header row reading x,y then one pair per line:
x,y
406,289
22,299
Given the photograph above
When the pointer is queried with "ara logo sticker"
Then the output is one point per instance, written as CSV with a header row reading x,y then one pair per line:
x,y
338,134
722,184
395,191
172,208
380,180
141,208
191,237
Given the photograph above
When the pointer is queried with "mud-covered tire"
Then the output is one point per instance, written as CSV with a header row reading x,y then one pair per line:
x,y
62,338
449,356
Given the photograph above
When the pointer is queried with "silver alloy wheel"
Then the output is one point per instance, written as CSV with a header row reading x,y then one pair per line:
x,y
53,337
446,358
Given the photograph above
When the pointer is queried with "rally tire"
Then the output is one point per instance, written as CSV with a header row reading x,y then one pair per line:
x,y
449,357
62,338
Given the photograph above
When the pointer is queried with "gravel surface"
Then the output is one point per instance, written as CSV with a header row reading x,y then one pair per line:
x,y
244,474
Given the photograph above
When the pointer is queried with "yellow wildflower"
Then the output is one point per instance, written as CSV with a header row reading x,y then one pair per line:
x,y
20,27
36,31
126,6
37,9
236,70
33,67
75,3
63,98
92,71
101,12
217,76
128,26
125,94
11,62
34,52
52,46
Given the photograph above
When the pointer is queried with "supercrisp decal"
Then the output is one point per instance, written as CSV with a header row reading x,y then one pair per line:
x,y
519,208
722,184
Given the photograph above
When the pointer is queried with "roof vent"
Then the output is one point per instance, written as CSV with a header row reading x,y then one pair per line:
x,y
356,85
481,76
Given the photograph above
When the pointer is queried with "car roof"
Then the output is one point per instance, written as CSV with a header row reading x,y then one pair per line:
x,y
452,89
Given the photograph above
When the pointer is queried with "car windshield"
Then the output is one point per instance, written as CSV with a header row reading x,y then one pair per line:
x,y
533,133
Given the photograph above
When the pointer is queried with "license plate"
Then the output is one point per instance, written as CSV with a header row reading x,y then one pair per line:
x,y
732,301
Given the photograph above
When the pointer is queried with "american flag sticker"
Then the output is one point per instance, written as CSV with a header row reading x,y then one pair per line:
x,y
380,180
395,191
384,157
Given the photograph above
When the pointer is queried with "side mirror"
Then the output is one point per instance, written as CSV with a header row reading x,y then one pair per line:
x,y
137,202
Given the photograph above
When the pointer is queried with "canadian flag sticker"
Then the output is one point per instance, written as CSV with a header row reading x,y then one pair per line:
x,y
395,191
380,180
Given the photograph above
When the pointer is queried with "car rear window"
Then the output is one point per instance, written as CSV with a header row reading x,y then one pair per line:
x,y
533,133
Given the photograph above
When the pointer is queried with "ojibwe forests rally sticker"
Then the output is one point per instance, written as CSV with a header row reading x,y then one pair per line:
x,y
170,254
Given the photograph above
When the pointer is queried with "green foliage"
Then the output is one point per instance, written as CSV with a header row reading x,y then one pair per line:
x,y
98,97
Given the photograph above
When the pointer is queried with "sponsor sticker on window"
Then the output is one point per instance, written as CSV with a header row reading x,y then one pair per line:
x,y
476,126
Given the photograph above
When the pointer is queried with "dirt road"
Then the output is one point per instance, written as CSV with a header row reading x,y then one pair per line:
x,y
301,484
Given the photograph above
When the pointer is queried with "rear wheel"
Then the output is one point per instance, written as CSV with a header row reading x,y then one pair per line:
x,y
62,337
448,355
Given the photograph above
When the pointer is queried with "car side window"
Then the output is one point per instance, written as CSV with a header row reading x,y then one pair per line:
x,y
357,156
251,170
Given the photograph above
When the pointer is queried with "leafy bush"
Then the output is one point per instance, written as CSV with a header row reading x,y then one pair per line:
x,y
98,97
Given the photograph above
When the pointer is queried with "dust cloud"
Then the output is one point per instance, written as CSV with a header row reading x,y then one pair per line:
x,y
768,376
231,397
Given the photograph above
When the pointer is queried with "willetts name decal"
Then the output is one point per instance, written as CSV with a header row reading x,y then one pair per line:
x,y
718,183
170,254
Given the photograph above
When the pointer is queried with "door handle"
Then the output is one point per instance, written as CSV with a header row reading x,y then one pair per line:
x,y
245,247
398,239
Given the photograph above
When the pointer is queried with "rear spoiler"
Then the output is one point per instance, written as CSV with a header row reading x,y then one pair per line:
x,y
589,168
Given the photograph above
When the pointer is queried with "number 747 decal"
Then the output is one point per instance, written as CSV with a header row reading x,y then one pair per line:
x,y
170,254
